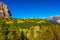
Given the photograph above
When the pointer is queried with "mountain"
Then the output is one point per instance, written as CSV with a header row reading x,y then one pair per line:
x,y
4,11
54,19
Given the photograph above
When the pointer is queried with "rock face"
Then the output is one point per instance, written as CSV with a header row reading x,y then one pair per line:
x,y
4,12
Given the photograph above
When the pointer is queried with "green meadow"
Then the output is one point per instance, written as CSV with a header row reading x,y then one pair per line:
x,y
28,29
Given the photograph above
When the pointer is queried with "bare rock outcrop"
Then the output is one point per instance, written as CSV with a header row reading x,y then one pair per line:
x,y
4,11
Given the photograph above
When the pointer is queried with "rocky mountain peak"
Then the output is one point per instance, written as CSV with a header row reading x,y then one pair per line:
x,y
4,11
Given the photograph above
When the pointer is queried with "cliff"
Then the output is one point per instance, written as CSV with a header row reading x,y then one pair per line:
x,y
4,11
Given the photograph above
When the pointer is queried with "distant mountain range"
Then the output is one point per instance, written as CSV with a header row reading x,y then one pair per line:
x,y
54,19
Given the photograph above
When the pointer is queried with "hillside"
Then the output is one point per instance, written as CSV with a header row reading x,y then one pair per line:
x,y
28,29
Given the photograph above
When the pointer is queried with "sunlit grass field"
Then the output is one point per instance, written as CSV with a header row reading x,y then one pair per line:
x,y
28,29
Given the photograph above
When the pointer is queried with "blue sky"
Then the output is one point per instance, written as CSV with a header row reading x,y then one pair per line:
x,y
33,8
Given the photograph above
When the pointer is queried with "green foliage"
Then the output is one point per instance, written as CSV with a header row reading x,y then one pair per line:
x,y
28,29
